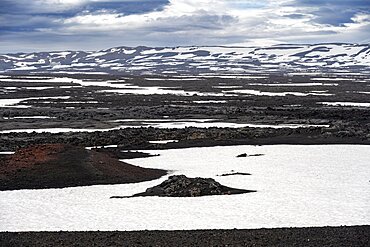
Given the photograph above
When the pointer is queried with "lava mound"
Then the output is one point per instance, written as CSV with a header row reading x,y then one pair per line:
x,y
182,186
59,165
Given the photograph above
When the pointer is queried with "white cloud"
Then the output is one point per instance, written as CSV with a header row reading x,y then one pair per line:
x,y
177,11
195,22
209,18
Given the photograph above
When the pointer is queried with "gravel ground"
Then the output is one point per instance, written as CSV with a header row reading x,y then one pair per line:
x,y
315,236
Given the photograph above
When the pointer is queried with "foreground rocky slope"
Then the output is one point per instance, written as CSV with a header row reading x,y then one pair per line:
x,y
193,60
358,236
58,165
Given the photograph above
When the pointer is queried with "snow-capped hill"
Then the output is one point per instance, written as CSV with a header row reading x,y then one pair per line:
x,y
194,60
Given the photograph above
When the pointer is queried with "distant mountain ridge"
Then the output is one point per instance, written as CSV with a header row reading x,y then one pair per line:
x,y
193,59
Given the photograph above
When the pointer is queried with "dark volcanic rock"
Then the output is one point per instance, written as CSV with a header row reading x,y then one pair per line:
x,y
59,165
182,186
235,173
242,155
256,155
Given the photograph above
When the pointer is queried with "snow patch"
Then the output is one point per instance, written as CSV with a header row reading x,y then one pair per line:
x,y
297,186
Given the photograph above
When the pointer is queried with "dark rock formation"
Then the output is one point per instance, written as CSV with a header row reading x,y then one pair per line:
x,y
256,155
182,186
244,155
60,165
235,173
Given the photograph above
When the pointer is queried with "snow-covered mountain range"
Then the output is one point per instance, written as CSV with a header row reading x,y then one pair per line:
x,y
194,60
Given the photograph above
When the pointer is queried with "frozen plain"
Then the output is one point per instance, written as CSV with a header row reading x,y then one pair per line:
x,y
297,186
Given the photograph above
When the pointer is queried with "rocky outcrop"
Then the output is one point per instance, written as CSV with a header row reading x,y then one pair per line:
x,y
182,186
244,155
234,174
60,165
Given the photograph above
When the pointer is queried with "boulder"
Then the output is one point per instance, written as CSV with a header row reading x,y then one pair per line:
x,y
182,186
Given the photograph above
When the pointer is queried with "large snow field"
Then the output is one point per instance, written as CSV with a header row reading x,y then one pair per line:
x,y
345,104
166,123
297,186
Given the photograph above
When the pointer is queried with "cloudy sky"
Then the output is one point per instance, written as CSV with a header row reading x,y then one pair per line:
x,y
36,25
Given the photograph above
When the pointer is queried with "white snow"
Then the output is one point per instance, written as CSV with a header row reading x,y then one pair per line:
x,y
85,83
27,79
119,83
174,79
51,130
80,72
184,56
37,88
201,120
272,94
14,102
204,123
105,146
10,88
345,104
97,54
297,186
164,124
83,65
43,79
24,68
29,117
159,90
233,76
59,66
332,79
210,101
163,141
302,84
227,87
61,54
75,102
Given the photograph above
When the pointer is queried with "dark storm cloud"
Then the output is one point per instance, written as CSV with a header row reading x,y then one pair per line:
x,y
24,16
128,7
334,12
72,8
295,16
354,3
334,16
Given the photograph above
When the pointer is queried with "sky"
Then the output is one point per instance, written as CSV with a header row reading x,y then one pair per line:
x,y
45,25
